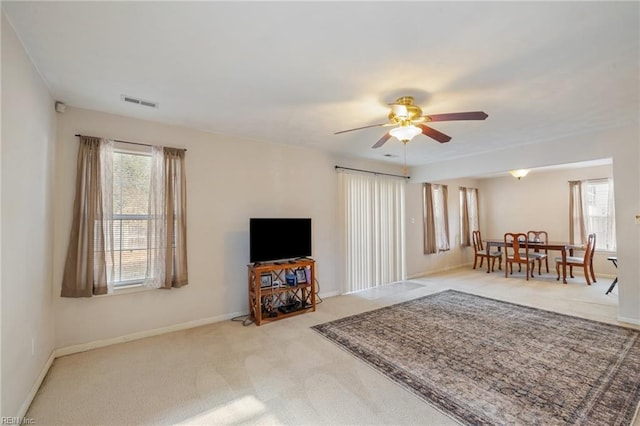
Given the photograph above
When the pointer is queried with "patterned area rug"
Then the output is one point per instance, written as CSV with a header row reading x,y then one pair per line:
x,y
483,361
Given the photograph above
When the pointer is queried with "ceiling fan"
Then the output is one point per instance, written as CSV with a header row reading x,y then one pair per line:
x,y
409,122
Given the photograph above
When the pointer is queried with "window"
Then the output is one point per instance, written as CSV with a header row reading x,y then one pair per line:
x,y
129,219
599,214
131,183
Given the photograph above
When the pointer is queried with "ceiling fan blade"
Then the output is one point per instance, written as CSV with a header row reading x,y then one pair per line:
x,y
382,140
473,115
434,134
359,128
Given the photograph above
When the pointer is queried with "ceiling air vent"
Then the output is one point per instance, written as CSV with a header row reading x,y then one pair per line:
x,y
137,101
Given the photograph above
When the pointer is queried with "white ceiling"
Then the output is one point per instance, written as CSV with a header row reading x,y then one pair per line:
x,y
296,72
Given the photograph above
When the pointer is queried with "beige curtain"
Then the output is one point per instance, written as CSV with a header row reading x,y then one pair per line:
x,y
428,220
89,266
442,220
474,209
465,231
577,227
435,218
167,229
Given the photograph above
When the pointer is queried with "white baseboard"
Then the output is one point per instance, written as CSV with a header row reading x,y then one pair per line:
x,y
470,264
329,294
629,320
68,350
36,385
437,271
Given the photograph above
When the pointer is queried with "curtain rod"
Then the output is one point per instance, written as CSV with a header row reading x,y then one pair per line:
x,y
374,173
116,140
592,179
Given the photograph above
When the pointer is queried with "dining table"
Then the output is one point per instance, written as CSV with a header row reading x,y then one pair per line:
x,y
562,247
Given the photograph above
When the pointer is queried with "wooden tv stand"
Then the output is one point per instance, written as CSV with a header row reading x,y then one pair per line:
x,y
267,304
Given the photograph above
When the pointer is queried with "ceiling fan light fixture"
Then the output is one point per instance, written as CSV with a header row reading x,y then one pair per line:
x,y
405,133
519,174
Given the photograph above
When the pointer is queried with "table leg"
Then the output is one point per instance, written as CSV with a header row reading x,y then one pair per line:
x,y
564,265
488,258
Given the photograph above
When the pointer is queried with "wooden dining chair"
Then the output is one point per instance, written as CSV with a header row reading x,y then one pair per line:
x,y
586,262
539,237
516,249
481,253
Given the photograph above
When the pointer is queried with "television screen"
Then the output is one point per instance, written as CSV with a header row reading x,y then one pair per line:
x,y
279,238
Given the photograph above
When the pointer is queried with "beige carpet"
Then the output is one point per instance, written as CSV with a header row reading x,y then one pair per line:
x,y
279,373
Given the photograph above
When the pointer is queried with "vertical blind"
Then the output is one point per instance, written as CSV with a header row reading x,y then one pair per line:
x,y
372,208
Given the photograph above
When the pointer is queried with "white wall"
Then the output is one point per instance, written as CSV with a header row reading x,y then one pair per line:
x,y
28,134
621,144
228,181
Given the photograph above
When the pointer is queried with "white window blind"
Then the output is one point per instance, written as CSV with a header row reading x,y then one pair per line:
x,y
131,183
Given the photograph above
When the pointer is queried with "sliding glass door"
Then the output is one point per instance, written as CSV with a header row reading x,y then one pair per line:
x,y
372,211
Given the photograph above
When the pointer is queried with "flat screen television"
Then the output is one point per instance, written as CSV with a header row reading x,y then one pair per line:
x,y
272,239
